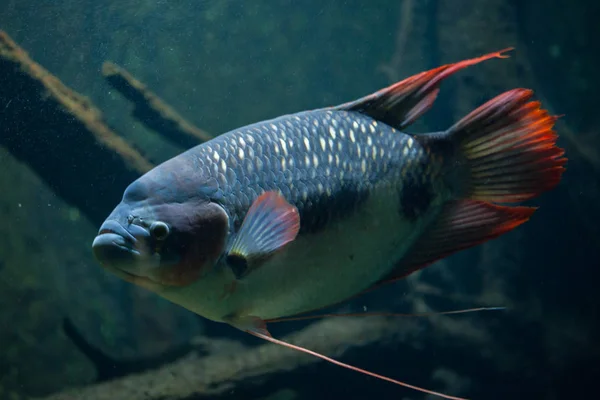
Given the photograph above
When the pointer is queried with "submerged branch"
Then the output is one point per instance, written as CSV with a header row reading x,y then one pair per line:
x,y
224,375
59,133
151,110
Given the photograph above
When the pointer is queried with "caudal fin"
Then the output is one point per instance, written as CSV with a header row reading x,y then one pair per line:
x,y
509,148
506,153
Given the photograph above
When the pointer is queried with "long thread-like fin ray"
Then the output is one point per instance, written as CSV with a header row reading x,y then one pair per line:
x,y
386,314
350,367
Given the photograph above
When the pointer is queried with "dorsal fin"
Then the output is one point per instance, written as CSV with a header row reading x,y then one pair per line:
x,y
400,104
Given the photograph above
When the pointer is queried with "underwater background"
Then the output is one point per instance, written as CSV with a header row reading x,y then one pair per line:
x,y
94,93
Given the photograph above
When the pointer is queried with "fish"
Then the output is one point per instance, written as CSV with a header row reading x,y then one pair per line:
x,y
307,210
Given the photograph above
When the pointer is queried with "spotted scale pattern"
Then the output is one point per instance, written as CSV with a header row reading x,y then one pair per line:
x,y
324,162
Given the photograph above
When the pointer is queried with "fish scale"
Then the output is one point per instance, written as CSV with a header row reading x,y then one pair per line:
x,y
324,162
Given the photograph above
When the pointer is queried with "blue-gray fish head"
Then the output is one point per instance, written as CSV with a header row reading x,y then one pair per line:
x,y
167,231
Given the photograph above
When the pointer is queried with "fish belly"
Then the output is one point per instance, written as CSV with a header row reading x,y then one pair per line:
x,y
208,297
325,268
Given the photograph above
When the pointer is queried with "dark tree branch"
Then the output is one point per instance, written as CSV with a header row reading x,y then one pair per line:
x,y
151,110
236,369
62,136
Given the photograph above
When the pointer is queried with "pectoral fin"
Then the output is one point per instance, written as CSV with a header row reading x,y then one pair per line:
x,y
271,223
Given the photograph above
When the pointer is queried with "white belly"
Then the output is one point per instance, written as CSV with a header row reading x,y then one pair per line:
x,y
313,271
330,266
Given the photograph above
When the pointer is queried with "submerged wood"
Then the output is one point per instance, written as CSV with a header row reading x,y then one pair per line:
x,y
244,372
227,374
58,133
153,111
62,136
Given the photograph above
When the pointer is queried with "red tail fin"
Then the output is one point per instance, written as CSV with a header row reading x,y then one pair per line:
x,y
507,151
510,149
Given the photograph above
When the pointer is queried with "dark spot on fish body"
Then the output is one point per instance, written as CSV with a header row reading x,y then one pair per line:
x,y
321,208
314,217
415,195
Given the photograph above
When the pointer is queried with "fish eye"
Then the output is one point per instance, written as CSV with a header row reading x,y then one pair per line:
x,y
159,230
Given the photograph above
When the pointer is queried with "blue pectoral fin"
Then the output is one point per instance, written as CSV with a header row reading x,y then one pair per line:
x,y
271,223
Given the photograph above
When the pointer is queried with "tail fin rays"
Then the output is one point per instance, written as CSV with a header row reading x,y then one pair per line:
x,y
510,149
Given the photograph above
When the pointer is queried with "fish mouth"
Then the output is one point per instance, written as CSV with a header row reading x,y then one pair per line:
x,y
115,249
111,238
114,245
108,240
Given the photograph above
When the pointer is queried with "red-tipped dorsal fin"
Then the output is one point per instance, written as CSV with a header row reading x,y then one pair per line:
x,y
400,104
348,366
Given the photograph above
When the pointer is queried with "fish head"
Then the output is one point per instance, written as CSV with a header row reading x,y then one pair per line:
x,y
166,232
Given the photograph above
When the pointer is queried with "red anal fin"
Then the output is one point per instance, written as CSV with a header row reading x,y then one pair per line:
x,y
271,339
400,104
463,224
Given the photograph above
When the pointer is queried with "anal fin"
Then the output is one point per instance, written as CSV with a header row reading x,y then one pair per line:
x,y
462,224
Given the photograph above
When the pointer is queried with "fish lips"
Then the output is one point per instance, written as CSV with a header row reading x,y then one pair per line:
x,y
117,249
115,245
